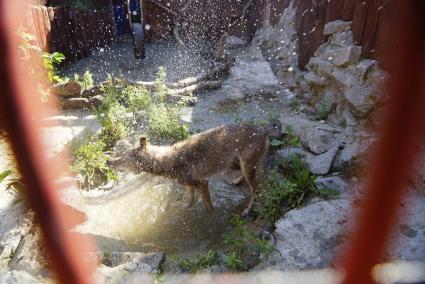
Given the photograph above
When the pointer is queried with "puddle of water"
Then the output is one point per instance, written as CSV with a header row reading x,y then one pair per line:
x,y
149,212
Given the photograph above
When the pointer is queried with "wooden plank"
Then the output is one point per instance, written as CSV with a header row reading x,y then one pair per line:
x,y
359,20
371,26
348,10
334,10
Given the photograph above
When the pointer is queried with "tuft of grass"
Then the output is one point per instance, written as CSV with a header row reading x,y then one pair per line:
x,y
160,90
323,112
200,263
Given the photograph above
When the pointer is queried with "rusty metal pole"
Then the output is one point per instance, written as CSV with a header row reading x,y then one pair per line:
x,y
401,135
21,111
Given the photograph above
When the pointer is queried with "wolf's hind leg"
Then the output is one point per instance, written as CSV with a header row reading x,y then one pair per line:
x,y
248,168
190,195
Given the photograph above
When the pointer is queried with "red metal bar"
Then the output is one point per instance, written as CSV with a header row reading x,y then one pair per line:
x,y
21,111
402,132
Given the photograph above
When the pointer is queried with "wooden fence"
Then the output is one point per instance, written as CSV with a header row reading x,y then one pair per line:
x,y
71,31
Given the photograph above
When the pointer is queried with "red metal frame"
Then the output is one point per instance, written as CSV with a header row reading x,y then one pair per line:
x,y
401,134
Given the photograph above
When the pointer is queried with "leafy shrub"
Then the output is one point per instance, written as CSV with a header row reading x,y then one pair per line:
x,y
115,125
91,163
50,62
200,263
164,123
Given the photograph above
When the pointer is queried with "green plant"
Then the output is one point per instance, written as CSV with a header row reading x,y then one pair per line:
x,y
323,112
115,124
164,123
86,82
243,243
160,90
200,263
290,139
50,62
91,163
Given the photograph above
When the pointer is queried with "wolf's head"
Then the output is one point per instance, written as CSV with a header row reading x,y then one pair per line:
x,y
133,158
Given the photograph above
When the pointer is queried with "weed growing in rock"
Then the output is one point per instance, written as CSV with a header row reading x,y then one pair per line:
x,y
323,112
286,190
200,263
244,246
290,139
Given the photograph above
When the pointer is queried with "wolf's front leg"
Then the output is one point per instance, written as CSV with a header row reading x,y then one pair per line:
x,y
202,186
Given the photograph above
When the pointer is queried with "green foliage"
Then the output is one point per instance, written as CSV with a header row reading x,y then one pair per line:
x,y
50,62
14,186
200,263
91,163
137,98
164,123
115,124
282,192
243,243
291,139
86,82
160,90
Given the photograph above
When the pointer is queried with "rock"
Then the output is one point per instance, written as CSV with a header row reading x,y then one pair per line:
x,y
344,38
67,89
75,103
321,164
93,91
345,77
361,99
286,154
140,265
96,100
20,276
336,26
235,42
343,56
317,141
353,149
308,237
349,118
320,67
314,80
332,182
30,254
364,68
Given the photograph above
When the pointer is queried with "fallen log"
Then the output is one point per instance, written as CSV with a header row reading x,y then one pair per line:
x,y
66,89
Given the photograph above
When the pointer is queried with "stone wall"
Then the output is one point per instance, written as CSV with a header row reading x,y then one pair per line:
x,y
338,86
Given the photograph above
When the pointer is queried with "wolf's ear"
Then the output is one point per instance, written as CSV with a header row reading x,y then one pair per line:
x,y
143,142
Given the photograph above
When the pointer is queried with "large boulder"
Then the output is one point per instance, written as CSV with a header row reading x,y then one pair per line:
x,y
343,56
318,141
361,99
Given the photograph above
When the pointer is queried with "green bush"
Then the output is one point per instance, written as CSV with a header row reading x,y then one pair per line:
x,y
86,82
91,163
115,125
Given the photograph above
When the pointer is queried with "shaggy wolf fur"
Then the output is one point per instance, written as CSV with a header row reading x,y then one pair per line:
x,y
192,161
